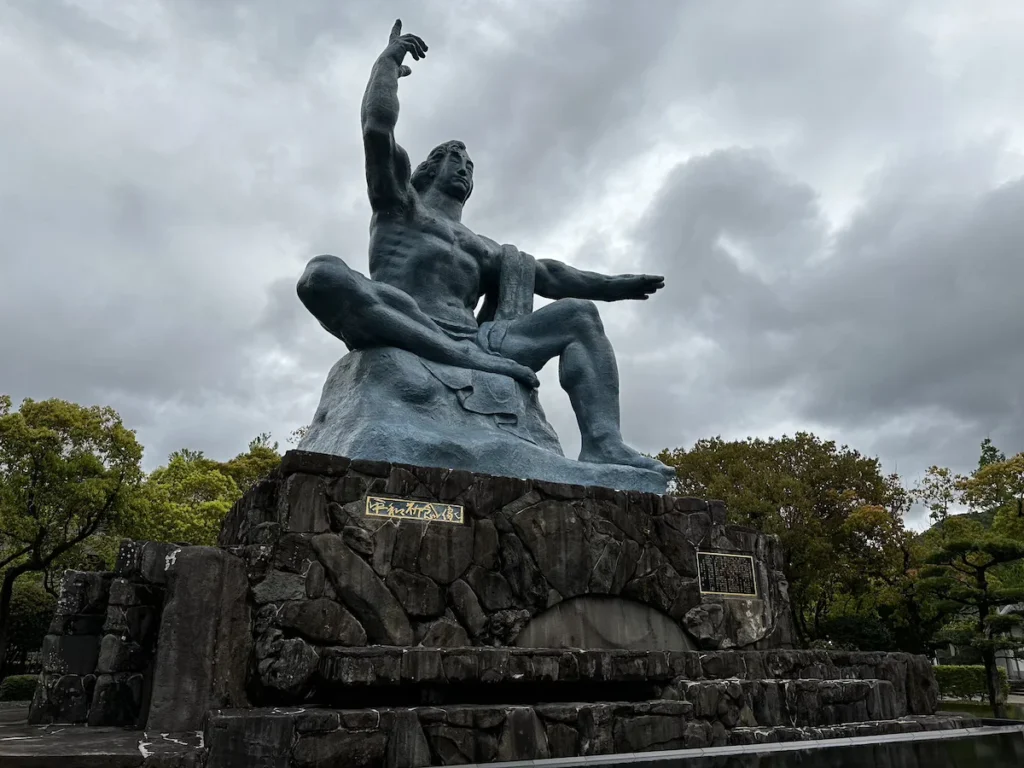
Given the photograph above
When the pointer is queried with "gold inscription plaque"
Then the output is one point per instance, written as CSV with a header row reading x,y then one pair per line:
x,y
408,509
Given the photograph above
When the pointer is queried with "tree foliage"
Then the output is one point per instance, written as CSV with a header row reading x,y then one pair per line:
x,y
246,469
186,500
31,611
66,473
997,488
964,574
939,491
839,519
967,681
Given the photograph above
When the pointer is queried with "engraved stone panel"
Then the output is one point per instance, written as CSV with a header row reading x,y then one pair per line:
x,y
724,574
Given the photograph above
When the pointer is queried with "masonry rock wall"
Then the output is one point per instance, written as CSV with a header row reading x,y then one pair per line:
x,y
99,653
169,628
532,563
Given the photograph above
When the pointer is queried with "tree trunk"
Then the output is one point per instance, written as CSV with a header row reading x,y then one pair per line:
x,y
995,691
6,593
799,622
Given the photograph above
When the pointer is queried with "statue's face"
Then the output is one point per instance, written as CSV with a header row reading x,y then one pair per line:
x,y
455,174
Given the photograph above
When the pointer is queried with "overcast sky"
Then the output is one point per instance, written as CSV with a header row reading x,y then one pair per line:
x,y
835,192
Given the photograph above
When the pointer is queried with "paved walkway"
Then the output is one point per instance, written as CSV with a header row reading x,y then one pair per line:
x,y
29,746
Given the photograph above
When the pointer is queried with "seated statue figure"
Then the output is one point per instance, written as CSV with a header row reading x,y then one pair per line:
x,y
413,328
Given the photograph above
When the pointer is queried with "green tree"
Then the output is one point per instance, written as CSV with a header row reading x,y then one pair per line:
x,y
246,469
66,471
996,489
939,490
964,574
837,516
989,454
184,501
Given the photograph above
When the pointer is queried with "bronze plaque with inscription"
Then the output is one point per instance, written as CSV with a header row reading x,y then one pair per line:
x,y
409,509
725,574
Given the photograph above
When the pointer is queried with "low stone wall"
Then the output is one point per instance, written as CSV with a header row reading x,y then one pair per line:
x,y
169,628
98,657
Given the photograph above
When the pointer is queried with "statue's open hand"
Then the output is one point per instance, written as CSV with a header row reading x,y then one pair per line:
x,y
399,45
638,287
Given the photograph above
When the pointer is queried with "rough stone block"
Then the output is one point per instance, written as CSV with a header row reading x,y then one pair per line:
x,y
445,550
363,592
321,621
445,633
205,637
126,593
71,654
289,669
117,700
313,464
157,559
88,624
358,749
248,737
304,504
278,587
119,655
420,596
84,593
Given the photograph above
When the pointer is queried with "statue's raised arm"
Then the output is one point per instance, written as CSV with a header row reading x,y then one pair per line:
x,y
387,165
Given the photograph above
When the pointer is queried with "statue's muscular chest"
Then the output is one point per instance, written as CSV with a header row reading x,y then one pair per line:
x,y
429,255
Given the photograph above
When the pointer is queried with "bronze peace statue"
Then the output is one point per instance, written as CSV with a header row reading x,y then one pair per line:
x,y
429,380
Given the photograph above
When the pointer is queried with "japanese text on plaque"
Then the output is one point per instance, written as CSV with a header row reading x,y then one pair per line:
x,y
722,574
408,509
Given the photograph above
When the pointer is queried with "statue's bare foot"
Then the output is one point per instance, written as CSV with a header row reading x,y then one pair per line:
x,y
617,452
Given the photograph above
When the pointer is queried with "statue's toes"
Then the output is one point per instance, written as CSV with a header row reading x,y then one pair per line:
x,y
667,471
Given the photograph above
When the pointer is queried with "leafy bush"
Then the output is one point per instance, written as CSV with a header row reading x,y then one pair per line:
x,y
18,687
858,633
966,681
31,611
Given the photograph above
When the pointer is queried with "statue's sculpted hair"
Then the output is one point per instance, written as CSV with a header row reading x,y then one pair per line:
x,y
426,171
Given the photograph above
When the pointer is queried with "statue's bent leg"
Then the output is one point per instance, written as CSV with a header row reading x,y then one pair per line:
x,y
571,330
365,313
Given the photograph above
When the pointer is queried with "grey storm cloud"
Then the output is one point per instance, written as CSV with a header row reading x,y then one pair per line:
x,y
907,315
831,190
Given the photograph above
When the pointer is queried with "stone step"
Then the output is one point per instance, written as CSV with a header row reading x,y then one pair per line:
x,y
392,662
940,721
391,676
421,736
795,703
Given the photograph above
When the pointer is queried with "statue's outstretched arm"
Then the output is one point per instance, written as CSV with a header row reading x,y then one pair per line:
x,y
387,165
555,280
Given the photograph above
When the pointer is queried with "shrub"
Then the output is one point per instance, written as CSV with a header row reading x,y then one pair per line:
x,y
967,681
18,687
31,611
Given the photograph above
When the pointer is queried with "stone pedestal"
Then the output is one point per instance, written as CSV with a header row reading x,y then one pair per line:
x,y
519,564
370,614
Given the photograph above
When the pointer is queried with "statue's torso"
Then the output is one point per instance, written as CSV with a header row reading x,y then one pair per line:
x,y
437,261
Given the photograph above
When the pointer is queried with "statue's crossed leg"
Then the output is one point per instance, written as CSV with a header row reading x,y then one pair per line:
x,y
366,313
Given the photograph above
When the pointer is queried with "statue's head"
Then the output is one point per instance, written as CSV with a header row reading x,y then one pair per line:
x,y
449,169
